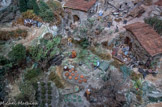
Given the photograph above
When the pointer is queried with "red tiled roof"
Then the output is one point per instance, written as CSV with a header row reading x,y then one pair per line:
x,y
82,5
159,3
147,37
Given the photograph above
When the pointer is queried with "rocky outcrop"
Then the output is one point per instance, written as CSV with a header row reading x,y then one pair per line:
x,y
4,4
8,12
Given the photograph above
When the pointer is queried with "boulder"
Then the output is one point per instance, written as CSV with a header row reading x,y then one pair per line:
x,y
104,66
10,12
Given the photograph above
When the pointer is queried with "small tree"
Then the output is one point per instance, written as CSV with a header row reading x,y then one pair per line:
x,y
3,60
35,7
32,73
45,12
23,5
18,53
155,23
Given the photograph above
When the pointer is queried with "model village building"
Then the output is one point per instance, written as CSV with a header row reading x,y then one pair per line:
x,y
79,10
143,41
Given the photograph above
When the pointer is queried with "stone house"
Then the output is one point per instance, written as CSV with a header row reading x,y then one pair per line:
x,y
79,10
143,41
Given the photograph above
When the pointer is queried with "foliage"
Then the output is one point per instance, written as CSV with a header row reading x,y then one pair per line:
x,y
23,5
27,92
45,49
18,53
45,12
54,5
3,92
103,55
29,14
49,91
82,54
56,79
91,21
32,74
47,16
32,4
155,23
29,4
135,76
84,43
3,60
49,97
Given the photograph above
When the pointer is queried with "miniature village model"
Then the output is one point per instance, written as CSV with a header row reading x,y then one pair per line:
x,y
80,53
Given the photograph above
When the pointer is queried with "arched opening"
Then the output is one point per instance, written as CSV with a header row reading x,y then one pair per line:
x,y
76,18
128,42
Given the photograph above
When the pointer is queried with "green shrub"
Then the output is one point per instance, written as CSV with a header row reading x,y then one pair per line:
x,y
49,91
47,15
155,23
49,101
84,43
42,84
50,88
45,49
49,97
45,12
43,97
32,74
32,4
43,91
18,53
23,5
3,60
49,84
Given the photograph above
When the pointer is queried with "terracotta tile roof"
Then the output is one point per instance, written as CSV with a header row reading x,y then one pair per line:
x,y
159,3
147,37
82,5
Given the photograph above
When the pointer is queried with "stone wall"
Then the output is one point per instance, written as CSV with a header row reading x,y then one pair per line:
x,y
69,16
137,49
82,15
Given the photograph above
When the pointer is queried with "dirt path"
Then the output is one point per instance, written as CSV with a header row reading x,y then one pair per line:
x,y
33,33
14,28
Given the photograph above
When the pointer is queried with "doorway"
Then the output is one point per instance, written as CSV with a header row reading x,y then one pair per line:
x,y
128,42
76,18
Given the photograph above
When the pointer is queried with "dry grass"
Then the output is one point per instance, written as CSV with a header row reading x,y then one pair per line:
x,y
116,63
6,35
104,56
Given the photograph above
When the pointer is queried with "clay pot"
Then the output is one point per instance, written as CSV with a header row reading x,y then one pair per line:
x,y
85,80
76,78
81,76
70,70
70,77
66,74
80,81
72,74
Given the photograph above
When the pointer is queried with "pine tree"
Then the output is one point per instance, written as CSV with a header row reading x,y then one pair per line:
x,y
35,7
23,5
